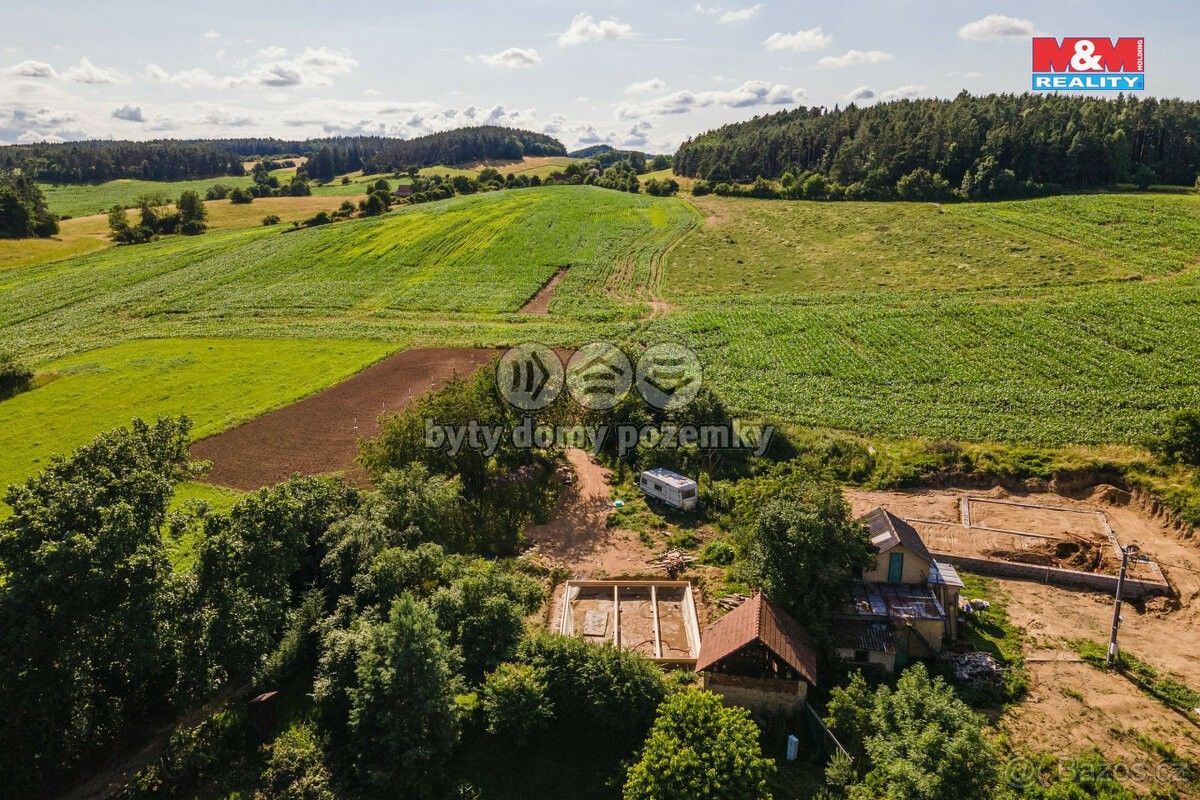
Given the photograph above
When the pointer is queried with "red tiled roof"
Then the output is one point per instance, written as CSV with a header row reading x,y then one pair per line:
x,y
761,620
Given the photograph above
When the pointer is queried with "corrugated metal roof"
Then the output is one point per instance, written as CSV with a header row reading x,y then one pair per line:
x,y
865,635
893,601
760,620
942,573
888,530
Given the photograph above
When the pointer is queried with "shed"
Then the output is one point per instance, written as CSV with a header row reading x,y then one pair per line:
x,y
670,487
759,657
903,556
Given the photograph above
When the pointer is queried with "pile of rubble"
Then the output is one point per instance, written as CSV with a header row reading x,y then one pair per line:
x,y
975,669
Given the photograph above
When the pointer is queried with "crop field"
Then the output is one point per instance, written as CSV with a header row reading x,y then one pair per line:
x,y
216,382
781,247
1054,321
479,255
82,200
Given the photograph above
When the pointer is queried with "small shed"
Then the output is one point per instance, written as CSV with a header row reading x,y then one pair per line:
x,y
670,487
757,656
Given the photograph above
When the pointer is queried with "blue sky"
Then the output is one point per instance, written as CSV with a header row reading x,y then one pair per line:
x,y
637,74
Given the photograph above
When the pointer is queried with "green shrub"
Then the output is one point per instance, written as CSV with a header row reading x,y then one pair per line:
x,y
718,553
515,701
295,768
271,219
699,747
15,377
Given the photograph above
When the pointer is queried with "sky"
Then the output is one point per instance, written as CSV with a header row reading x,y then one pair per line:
x,y
629,73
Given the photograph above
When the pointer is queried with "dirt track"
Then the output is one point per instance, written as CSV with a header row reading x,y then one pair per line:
x,y
579,539
320,434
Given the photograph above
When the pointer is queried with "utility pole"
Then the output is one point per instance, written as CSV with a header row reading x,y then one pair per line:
x,y
1126,552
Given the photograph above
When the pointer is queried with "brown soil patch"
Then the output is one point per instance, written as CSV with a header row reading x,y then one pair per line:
x,y
320,434
579,540
540,304
1074,707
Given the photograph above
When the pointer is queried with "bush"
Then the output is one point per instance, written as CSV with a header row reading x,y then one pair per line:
x,y
1180,442
271,219
218,191
515,701
699,747
320,218
15,377
295,768
717,553
615,692
241,197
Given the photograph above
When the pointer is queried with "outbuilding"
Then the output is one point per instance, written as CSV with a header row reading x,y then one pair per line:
x,y
669,487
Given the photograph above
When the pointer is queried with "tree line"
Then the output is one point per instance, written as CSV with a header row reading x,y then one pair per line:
x,y
178,159
23,211
998,145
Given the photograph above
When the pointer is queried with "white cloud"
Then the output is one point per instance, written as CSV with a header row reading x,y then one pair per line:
x,y
87,72
996,26
371,92
904,92
188,78
33,137
210,35
30,69
750,93
584,29
224,117
513,58
852,58
646,87
129,113
860,95
272,53
740,14
316,66
800,41
638,135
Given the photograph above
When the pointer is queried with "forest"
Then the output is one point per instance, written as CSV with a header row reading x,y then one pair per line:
x,y
168,159
998,145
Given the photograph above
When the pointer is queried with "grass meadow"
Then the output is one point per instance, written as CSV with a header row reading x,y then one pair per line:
x,y
81,200
218,383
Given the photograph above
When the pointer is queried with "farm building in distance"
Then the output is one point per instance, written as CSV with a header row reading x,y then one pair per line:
x,y
654,618
757,656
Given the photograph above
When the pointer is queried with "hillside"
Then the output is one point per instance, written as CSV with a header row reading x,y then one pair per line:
x,y
990,146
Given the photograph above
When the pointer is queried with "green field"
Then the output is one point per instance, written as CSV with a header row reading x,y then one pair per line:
x,y
1052,321
478,256
81,200
217,382
803,247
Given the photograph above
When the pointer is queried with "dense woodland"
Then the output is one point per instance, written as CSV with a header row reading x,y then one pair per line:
x,y
987,146
23,211
168,159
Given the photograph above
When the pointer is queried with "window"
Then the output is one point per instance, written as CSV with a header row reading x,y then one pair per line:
x,y
689,493
862,656
658,487
895,567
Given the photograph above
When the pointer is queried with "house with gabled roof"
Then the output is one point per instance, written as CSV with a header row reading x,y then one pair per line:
x,y
904,606
759,657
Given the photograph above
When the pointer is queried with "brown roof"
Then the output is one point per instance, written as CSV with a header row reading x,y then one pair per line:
x,y
760,620
888,530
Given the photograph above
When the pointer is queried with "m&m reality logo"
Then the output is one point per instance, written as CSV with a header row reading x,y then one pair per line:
x,y
1089,64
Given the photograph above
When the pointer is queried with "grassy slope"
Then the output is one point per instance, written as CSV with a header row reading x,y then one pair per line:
x,y
216,382
475,255
80,200
853,316
83,235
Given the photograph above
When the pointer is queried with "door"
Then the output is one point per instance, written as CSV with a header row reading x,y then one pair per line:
x,y
895,567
